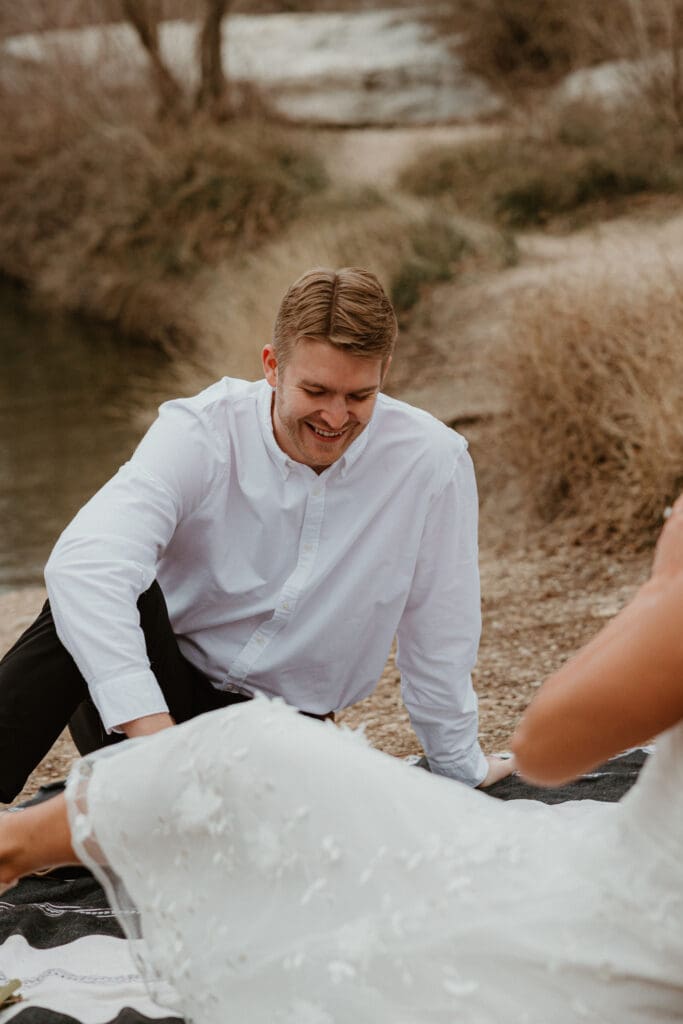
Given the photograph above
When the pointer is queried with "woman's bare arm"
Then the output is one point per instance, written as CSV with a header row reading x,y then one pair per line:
x,y
620,690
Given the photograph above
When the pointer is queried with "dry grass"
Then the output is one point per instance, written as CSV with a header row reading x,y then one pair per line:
x,y
520,44
107,211
514,43
576,162
180,233
594,370
188,234
237,300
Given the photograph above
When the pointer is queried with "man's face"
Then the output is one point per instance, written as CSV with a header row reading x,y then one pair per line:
x,y
324,398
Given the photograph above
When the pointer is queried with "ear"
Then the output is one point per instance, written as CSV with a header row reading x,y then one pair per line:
x,y
269,360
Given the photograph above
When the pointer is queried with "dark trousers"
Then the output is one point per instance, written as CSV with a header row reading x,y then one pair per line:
x,y
42,690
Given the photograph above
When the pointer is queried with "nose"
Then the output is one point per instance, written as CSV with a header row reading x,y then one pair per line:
x,y
335,413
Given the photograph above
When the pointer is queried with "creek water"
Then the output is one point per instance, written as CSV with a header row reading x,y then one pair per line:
x,y
74,400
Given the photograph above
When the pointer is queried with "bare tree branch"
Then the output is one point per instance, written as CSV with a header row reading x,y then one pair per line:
x,y
213,93
676,41
139,15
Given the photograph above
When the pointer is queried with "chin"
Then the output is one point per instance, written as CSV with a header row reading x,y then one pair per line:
x,y
321,459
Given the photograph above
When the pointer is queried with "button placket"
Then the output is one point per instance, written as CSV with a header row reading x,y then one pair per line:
x,y
292,588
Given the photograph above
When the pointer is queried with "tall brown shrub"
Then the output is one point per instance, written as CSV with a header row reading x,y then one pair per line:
x,y
520,44
515,43
594,372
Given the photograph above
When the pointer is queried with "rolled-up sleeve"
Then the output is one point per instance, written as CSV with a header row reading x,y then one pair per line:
x,y
108,555
438,636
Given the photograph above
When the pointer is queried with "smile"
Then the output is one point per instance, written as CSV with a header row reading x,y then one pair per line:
x,y
328,435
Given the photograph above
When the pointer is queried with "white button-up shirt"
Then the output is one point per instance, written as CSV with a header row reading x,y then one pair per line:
x,y
278,579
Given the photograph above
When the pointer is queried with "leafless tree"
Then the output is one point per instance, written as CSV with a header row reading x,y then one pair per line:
x,y
674,31
145,21
213,93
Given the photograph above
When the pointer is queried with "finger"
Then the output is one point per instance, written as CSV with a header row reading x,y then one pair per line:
x,y
676,509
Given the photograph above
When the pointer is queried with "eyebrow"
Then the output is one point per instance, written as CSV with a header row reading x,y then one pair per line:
x,y
321,387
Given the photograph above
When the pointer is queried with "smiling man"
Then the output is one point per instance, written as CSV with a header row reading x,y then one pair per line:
x,y
267,537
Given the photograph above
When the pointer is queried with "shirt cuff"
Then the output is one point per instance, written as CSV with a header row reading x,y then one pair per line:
x,y
127,697
471,769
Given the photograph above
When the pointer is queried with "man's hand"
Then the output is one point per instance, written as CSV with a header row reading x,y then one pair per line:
x,y
499,768
147,725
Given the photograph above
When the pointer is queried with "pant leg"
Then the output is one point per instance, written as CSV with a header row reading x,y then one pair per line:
x,y
41,690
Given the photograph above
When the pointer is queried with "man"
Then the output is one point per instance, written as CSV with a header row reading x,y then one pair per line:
x,y
267,537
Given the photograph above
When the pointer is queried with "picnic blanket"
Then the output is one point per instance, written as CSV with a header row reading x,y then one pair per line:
x,y
61,939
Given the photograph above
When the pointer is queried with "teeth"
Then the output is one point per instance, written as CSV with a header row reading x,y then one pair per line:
x,y
327,433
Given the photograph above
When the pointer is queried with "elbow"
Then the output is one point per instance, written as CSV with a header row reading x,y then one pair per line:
x,y
538,761
526,755
58,569
53,570
54,575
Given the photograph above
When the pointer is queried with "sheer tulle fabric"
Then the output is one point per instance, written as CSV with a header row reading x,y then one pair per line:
x,y
284,873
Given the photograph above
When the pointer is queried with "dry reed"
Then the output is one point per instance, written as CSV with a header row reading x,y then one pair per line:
x,y
594,370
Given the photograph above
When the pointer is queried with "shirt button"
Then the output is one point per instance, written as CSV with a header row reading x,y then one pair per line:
x,y
316,492
307,547
285,605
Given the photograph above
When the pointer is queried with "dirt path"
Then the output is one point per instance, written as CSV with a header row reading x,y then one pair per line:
x,y
375,156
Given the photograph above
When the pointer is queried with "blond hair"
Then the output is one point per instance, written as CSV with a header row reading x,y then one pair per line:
x,y
347,307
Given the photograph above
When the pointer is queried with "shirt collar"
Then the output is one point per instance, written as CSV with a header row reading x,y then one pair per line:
x,y
284,463
280,458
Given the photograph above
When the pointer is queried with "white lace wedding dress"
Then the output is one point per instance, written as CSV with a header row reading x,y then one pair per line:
x,y
287,874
